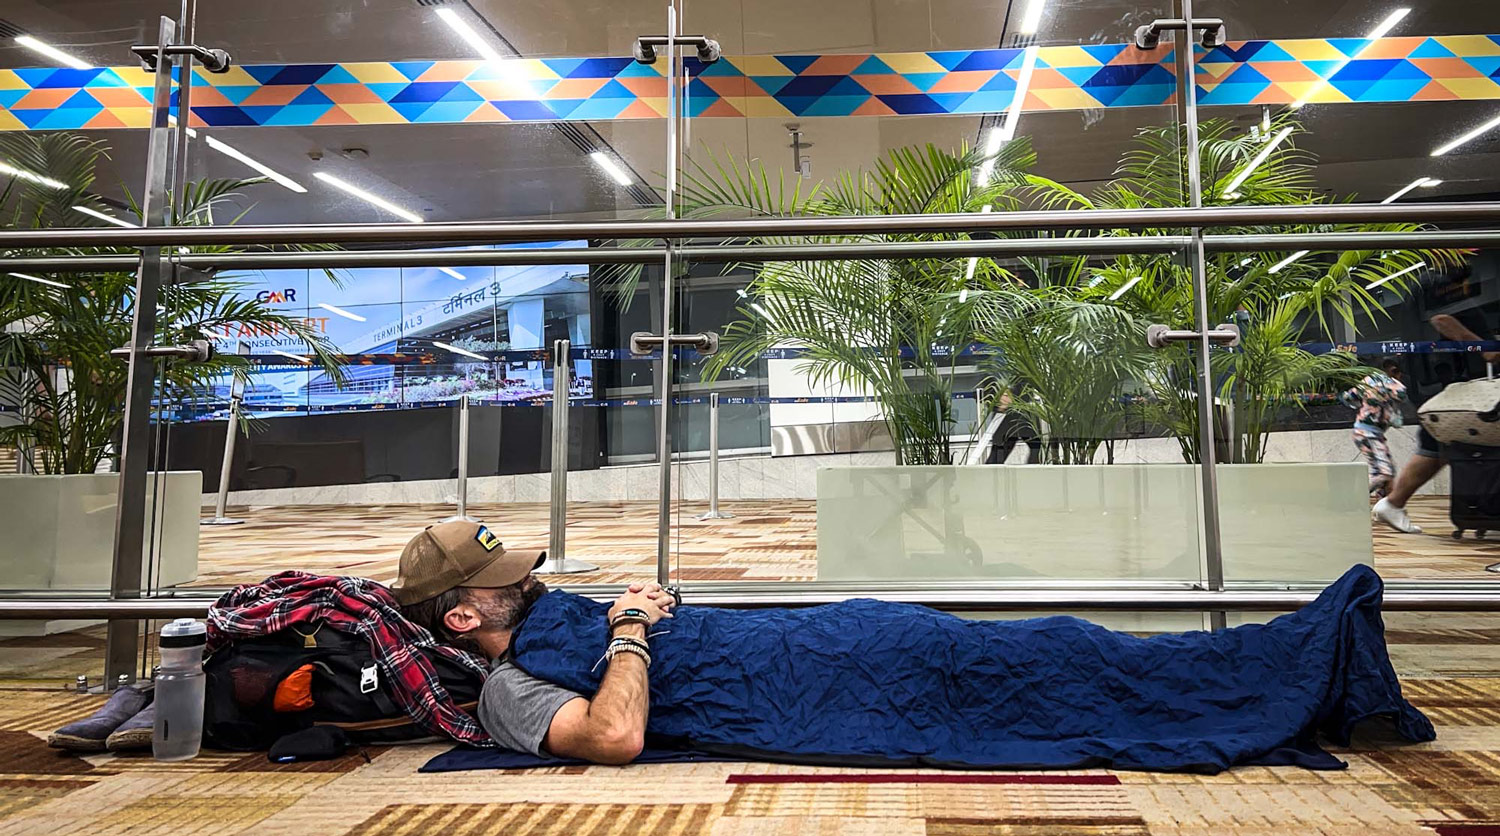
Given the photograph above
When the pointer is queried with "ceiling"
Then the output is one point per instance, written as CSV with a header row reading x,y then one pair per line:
x,y
475,172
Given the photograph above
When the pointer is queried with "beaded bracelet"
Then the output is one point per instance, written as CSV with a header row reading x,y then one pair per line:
x,y
630,617
630,640
615,650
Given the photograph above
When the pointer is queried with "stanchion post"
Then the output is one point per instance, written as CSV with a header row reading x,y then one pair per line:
x,y
231,431
713,462
557,562
463,461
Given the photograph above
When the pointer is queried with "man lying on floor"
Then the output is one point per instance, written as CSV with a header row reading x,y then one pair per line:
x,y
875,683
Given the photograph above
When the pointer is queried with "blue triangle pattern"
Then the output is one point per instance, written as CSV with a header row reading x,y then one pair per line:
x,y
411,111
796,63
1430,48
1349,46
338,75
449,112
412,69
311,96
832,105
924,81
952,59
1393,90
873,66
297,114
772,83
615,90
1272,51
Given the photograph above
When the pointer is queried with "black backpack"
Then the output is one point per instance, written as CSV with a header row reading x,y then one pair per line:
x,y
346,689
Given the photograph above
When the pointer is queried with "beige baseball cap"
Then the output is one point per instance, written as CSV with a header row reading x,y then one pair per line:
x,y
459,553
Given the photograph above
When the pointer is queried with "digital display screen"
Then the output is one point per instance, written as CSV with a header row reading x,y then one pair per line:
x,y
411,335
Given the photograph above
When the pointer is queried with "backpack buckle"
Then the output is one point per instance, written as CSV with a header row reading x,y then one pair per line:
x,y
369,679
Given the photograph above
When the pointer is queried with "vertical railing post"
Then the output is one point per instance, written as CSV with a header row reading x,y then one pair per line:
x,y
713,462
122,636
463,456
231,432
462,487
1213,547
557,562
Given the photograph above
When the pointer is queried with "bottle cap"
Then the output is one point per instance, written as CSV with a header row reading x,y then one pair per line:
x,y
184,632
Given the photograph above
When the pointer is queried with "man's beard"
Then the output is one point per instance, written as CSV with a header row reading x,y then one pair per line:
x,y
505,609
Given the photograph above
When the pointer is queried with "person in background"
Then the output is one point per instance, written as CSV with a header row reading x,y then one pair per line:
x,y
1429,459
1377,400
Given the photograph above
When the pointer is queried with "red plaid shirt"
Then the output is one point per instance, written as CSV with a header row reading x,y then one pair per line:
x,y
363,608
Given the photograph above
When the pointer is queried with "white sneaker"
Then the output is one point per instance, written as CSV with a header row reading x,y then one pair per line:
x,y
1394,516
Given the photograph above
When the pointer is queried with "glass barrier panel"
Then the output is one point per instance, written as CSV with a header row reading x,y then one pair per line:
x,y
1343,348
883,404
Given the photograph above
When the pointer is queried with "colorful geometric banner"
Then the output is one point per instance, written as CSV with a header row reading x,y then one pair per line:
x,y
777,86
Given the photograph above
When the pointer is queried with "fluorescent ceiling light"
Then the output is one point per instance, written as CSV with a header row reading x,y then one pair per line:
x,y
611,168
1265,151
1094,282
1246,260
298,357
1378,282
456,350
1419,183
963,296
404,214
51,52
278,177
1005,132
1375,34
1033,19
1281,265
454,273
341,312
40,280
1487,126
95,213
6,168
465,31
230,151
1125,287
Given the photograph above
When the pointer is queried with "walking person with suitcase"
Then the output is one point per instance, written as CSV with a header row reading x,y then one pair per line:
x,y
1377,401
1431,455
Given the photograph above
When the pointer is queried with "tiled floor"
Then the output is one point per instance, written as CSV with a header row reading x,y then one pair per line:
x,y
1450,664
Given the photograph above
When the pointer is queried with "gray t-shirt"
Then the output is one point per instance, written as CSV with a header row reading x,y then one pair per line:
x,y
517,708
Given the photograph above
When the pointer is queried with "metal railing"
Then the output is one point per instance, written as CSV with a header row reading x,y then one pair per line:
x,y
752,596
1091,245
678,230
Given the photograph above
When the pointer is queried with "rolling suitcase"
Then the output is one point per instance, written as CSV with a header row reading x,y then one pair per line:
x,y
1475,500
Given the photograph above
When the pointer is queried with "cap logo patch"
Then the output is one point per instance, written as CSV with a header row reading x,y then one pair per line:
x,y
489,541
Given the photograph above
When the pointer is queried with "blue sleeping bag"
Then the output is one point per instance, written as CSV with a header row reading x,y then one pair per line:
x,y
874,683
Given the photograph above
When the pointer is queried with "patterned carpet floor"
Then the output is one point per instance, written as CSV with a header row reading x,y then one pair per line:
x,y
1449,662
1450,787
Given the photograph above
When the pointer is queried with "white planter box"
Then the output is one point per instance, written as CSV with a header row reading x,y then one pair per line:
x,y
59,531
1284,522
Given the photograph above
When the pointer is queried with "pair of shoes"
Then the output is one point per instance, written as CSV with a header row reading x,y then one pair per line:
x,y
1394,516
134,734
96,732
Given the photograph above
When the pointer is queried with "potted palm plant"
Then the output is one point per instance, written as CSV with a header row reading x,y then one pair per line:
x,y
1278,299
873,327
64,394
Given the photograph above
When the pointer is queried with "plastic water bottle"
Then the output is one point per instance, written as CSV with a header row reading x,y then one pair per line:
x,y
179,691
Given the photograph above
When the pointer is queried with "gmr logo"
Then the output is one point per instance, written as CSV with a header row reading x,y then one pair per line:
x,y
274,298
